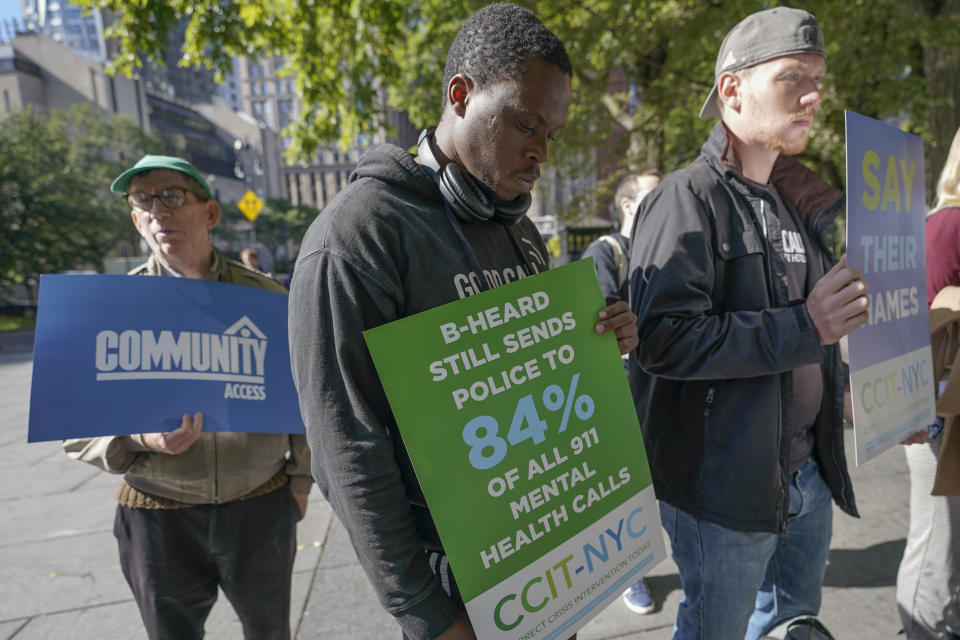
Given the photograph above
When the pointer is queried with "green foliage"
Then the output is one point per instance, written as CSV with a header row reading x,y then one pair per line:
x,y
56,212
278,222
340,52
9,323
642,68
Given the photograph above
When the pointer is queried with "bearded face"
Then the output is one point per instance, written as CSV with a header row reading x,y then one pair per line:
x,y
779,102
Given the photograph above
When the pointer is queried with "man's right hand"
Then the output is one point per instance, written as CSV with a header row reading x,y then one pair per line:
x,y
178,440
837,304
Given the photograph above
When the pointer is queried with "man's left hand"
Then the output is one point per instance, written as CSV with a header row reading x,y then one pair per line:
x,y
301,498
619,319
176,441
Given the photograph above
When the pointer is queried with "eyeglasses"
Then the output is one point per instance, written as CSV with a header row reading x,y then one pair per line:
x,y
171,198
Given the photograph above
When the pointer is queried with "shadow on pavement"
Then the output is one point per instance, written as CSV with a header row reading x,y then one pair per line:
x,y
662,586
874,566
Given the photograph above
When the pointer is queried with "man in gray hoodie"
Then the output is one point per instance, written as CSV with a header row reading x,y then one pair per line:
x,y
408,234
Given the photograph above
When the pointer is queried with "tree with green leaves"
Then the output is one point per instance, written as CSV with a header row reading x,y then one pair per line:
x,y
56,212
641,67
279,223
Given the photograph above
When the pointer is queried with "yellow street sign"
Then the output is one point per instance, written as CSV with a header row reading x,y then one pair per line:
x,y
250,205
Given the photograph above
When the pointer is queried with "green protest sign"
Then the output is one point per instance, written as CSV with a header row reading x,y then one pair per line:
x,y
519,422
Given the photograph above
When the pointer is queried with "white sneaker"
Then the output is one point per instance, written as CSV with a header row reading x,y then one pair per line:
x,y
638,598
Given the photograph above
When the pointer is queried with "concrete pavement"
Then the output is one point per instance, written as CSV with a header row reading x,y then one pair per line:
x,y
60,577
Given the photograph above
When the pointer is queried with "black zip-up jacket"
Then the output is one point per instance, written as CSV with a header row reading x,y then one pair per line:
x,y
720,338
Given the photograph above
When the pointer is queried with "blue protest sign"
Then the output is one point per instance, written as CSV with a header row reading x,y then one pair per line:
x,y
115,355
891,369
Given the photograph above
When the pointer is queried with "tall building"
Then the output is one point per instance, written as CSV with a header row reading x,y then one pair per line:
x,y
258,159
273,101
268,97
190,85
66,24
39,71
229,92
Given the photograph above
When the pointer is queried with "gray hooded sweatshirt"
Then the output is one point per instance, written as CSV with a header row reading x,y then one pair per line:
x,y
381,250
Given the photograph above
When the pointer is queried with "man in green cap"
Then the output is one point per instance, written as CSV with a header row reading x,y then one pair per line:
x,y
200,510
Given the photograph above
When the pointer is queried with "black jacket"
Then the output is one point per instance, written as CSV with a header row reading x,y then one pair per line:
x,y
608,268
383,249
719,339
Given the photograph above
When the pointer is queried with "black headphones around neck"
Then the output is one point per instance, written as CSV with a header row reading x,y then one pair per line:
x,y
466,196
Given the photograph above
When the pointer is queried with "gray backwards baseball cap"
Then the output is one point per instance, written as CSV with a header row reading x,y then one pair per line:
x,y
763,36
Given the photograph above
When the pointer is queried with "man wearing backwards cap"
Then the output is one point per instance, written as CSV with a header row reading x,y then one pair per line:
x,y
738,376
198,510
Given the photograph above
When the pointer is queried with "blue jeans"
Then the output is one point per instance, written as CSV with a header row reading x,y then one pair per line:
x,y
741,584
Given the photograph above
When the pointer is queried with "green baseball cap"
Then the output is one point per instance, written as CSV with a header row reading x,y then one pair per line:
x,y
149,163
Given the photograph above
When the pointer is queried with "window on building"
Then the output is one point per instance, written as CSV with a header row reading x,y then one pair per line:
x,y
6,99
258,107
289,86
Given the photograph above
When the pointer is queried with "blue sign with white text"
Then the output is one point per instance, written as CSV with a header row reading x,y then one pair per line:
x,y
891,368
117,355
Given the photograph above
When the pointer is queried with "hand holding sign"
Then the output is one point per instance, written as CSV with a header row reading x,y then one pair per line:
x,y
891,374
178,440
837,304
623,322
219,349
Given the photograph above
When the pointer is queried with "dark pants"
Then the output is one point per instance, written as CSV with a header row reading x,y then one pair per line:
x,y
174,559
